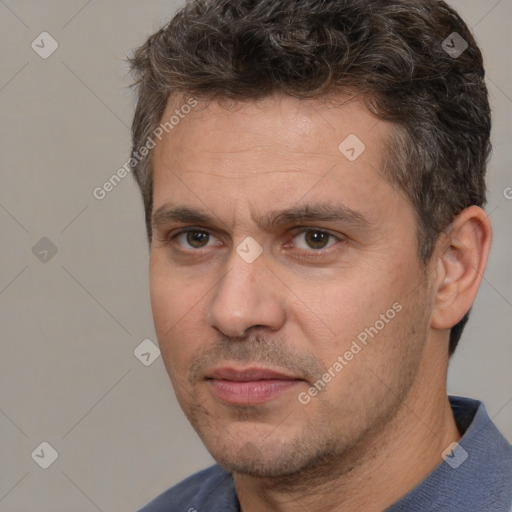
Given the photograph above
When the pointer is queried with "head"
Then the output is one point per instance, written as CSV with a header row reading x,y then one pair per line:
x,y
267,98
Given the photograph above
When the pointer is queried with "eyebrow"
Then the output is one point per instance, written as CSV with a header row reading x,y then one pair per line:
x,y
323,212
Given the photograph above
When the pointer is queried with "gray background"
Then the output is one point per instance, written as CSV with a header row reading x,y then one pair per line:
x,y
70,324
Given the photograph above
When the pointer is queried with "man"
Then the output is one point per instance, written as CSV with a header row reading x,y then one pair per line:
x,y
313,181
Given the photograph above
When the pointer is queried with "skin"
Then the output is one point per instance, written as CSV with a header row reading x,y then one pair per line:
x,y
379,426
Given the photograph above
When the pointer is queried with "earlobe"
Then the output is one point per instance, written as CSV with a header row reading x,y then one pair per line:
x,y
462,259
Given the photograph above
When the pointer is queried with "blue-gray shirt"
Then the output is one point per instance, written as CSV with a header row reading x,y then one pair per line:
x,y
475,477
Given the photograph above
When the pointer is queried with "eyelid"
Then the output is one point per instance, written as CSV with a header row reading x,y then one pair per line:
x,y
174,234
304,229
293,234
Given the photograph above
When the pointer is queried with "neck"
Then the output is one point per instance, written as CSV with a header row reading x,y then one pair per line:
x,y
374,475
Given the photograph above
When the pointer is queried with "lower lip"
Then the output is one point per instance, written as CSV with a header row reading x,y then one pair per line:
x,y
252,392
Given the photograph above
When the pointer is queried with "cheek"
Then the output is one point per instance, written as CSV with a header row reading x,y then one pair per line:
x,y
164,301
337,312
172,306
359,307
171,295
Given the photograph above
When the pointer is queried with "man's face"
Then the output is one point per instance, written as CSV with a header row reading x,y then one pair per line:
x,y
337,300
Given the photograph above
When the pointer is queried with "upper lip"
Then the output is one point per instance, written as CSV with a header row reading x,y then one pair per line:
x,y
247,374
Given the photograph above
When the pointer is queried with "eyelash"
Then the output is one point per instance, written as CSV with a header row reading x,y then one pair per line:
x,y
298,231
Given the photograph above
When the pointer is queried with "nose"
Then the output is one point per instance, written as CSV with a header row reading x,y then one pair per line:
x,y
246,298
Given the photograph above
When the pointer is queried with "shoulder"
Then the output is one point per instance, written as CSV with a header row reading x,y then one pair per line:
x,y
476,476
197,490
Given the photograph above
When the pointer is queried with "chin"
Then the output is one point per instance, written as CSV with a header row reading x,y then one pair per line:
x,y
280,459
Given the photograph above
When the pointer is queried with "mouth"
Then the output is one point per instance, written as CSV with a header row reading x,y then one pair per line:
x,y
249,386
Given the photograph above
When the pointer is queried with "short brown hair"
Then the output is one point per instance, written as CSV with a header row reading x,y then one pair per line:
x,y
393,53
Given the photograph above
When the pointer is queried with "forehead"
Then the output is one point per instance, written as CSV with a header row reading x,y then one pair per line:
x,y
279,123
274,149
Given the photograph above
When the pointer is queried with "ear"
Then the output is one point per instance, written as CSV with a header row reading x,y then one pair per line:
x,y
462,255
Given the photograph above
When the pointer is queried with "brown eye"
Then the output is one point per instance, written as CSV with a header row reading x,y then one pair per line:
x,y
315,239
194,238
197,238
